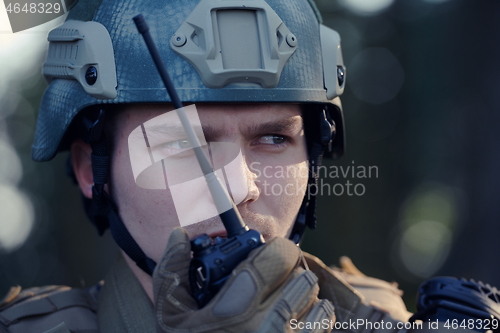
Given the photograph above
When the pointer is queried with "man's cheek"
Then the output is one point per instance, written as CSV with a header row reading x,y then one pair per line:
x,y
231,169
193,199
150,207
301,181
193,202
287,182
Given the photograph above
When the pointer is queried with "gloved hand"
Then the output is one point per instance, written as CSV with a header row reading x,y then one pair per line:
x,y
378,293
350,304
263,294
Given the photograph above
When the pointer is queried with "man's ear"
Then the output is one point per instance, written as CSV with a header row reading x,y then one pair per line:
x,y
82,166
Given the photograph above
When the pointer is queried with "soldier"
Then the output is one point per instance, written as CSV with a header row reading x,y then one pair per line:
x,y
265,78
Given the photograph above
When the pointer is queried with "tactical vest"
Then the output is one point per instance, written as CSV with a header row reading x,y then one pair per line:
x,y
50,309
58,309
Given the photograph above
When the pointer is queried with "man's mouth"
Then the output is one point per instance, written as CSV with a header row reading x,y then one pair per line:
x,y
220,233
213,227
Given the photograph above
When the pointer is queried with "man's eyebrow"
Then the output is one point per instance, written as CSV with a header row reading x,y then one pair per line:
x,y
168,129
212,134
277,126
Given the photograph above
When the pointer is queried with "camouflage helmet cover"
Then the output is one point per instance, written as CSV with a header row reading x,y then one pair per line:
x,y
312,66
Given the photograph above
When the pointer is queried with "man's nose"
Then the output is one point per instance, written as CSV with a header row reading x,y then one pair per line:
x,y
235,172
253,191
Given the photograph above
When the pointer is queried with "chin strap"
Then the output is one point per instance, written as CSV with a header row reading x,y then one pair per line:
x,y
319,142
101,209
103,213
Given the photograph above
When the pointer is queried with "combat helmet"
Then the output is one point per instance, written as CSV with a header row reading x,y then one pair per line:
x,y
221,51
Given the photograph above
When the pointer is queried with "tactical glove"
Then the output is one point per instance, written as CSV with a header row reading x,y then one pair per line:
x,y
265,293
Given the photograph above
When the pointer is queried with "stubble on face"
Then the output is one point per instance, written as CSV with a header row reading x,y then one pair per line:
x,y
150,216
272,214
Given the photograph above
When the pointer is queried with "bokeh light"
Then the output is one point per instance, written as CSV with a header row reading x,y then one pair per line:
x,y
17,214
366,7
428,219
424,246
16,217
375,75
11,170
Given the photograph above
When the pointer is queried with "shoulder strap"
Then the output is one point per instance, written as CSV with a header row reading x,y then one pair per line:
x,y
48,306
350,306
16,295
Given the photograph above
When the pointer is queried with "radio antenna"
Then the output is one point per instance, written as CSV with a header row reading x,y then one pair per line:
x,y
226,208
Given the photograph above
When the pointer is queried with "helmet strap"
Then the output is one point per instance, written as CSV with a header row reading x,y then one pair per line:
x,y
307,211
319,142
103,213
101,209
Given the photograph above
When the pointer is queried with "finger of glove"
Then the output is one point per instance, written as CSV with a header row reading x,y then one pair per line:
x,y
237,304
273,263
255,278
294,301
170,278
322,312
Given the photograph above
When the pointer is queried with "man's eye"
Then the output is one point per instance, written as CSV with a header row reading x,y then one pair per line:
x,y
178,144
172,147
271,139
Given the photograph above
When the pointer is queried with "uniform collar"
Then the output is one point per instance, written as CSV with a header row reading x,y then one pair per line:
x,y
124,306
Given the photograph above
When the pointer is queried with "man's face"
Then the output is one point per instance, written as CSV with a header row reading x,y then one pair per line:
x,y
273,168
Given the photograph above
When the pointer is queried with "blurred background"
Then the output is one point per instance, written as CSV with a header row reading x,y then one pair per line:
x,y
421,108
